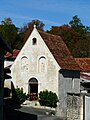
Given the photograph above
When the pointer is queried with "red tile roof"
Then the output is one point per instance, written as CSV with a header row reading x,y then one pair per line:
x,y
84,64
14,55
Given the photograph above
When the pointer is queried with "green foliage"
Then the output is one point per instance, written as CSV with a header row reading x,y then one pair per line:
x,y
77,25
7,21
10,34
76,36
48,98
21,96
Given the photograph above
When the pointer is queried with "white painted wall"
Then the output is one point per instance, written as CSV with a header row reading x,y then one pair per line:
x,y
38,62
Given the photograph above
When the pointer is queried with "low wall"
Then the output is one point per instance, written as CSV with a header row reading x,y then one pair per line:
x,y
74,107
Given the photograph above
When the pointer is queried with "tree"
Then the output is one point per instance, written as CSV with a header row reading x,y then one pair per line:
x,y
81,46
77,25
39,24
67,33
72,35
7,21
81,49
9,32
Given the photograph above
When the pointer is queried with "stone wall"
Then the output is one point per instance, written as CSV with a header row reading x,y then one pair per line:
x,y
74,107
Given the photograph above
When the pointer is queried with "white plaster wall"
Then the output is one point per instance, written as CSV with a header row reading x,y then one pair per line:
x,y
7,63
7,82
21,75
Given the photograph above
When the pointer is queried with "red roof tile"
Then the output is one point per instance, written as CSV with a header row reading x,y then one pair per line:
x,y
14,55
84,64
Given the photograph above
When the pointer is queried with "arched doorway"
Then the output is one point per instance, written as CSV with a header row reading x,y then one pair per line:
x,y
33,89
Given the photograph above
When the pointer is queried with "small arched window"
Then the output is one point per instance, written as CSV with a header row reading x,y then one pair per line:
x,y
24,64
42,64
34,41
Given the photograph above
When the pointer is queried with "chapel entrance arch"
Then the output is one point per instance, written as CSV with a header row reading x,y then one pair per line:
x,y
33,89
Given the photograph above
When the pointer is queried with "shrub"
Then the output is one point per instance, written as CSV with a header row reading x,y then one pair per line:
x,y
48,98
21,96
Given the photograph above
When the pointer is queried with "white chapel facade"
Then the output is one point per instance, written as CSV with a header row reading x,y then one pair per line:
x,y
35,68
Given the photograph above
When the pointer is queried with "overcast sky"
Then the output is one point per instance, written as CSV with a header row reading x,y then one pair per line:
x,y
50,12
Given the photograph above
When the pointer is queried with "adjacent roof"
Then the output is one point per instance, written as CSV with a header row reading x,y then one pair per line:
x,y
12,56
84,64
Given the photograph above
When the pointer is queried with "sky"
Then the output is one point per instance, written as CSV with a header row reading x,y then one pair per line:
x,y
50,12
